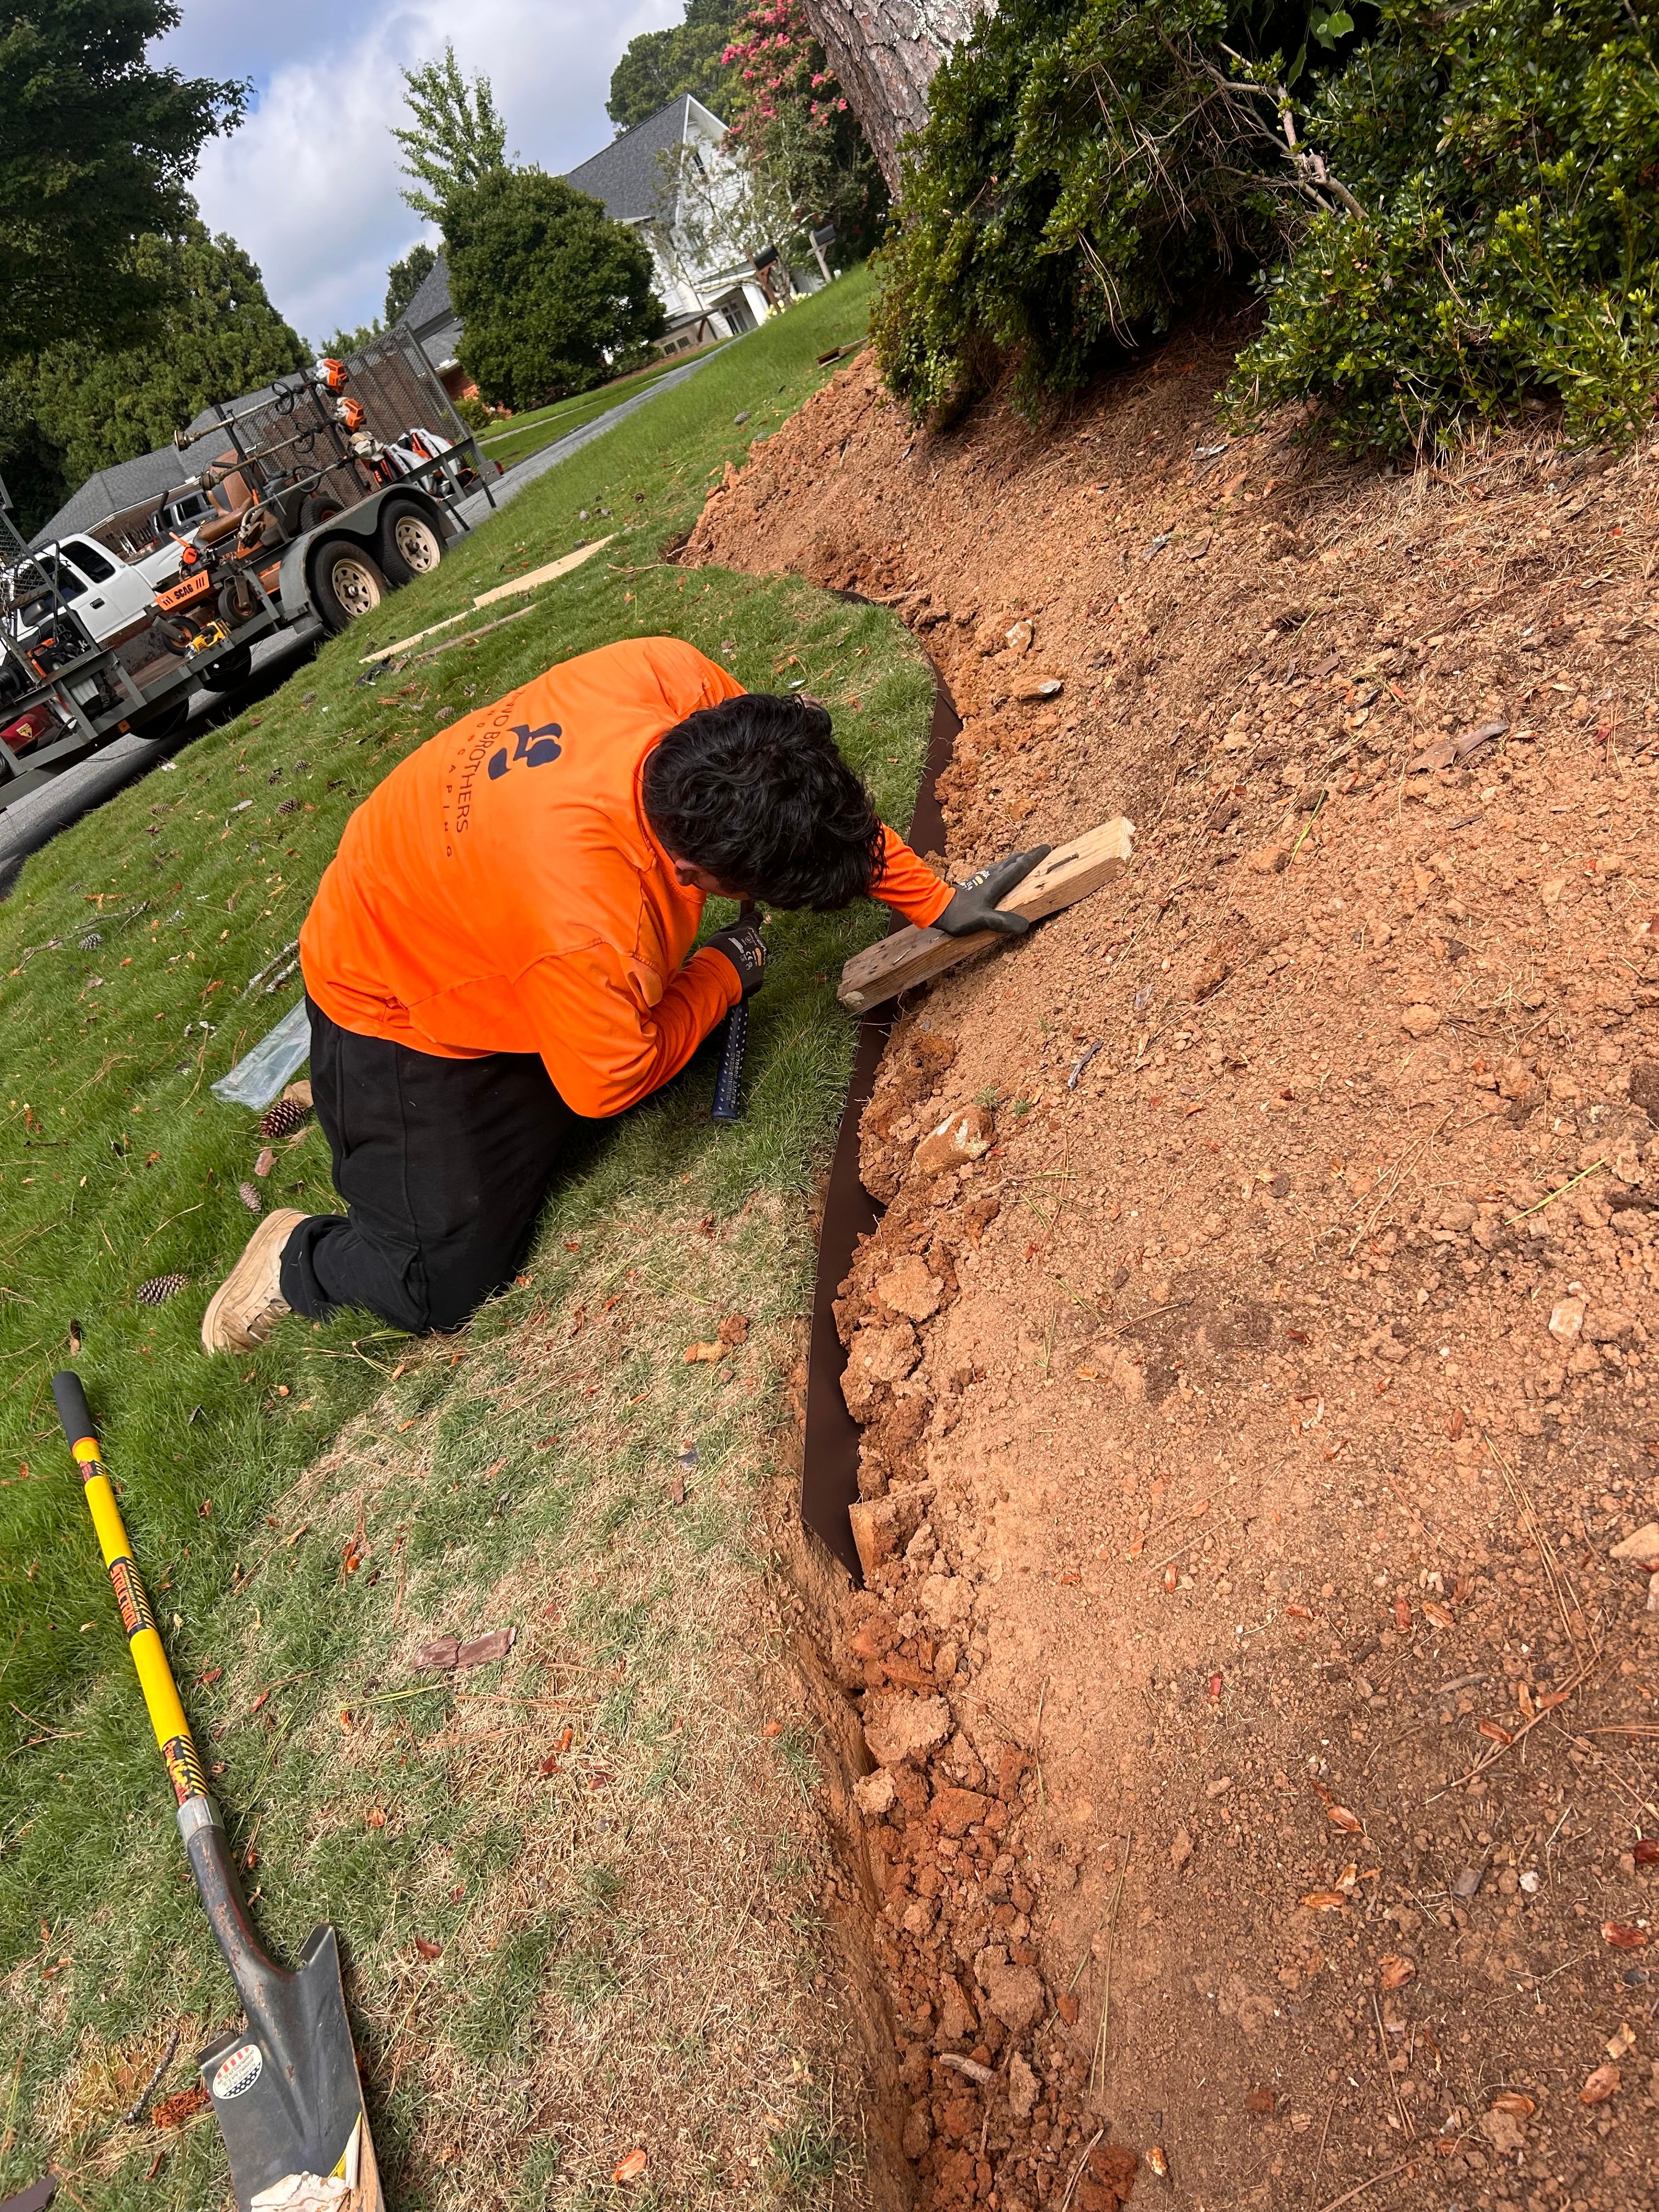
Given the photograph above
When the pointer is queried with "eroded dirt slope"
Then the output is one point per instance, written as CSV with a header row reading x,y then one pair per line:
x,y
1261,1718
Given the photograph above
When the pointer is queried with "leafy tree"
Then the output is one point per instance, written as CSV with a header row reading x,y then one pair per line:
x,y
344,342
657,66
551,294
31,465
404,279
96,149
456,138
77,408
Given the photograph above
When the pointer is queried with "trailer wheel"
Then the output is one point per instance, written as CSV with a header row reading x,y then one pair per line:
x,y
345,582
166,722
316,508
409,543
229,673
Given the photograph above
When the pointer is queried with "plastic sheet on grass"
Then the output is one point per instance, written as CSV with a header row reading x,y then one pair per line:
x,y
257,1079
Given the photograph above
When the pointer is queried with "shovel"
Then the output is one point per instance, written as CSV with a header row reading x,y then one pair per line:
x,y
285,2090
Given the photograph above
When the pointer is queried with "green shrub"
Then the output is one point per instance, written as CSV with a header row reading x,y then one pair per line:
x,y
1084,168
1506,157
1451,210
478,415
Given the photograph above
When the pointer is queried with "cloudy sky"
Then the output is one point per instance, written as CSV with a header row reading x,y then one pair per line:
x,y
309,183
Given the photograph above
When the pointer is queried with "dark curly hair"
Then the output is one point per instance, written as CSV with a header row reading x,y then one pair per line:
x,y
754,791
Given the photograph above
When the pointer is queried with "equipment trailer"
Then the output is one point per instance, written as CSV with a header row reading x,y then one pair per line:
x,y
333,489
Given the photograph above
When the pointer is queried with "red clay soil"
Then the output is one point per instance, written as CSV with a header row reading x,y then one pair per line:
x,y
1262,1717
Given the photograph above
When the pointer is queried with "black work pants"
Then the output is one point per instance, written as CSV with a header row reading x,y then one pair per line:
x,y
443,1165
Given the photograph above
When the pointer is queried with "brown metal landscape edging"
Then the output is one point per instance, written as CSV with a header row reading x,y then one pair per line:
x,y
830,1454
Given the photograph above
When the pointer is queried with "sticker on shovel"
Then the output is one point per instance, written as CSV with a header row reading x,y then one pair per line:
x,y
239,2072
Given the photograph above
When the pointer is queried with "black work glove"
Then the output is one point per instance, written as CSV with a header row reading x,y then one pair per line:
x,y
974,906
745,948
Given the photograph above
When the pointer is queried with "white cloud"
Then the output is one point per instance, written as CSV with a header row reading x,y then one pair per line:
x,y
309,185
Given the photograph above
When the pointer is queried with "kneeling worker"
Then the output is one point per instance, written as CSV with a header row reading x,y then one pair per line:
x,y
499,946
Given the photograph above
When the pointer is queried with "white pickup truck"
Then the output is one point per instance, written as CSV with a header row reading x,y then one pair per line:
x,y
323,501
112,597
72,597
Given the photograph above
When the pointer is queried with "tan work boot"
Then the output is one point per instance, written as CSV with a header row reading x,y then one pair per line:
x,y
249,1302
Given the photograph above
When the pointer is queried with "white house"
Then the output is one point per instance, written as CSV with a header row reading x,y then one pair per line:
x,y
671,178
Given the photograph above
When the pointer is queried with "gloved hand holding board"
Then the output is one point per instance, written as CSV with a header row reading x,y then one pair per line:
x,y
913,956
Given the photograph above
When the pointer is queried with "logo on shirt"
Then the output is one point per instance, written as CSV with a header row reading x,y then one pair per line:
x,y
535,748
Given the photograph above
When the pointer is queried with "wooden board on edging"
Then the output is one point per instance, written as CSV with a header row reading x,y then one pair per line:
x,y
912,956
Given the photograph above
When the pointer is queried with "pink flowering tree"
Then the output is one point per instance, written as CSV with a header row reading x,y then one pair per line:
x,y
791,122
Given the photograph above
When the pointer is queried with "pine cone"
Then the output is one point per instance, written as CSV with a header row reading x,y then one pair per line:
x,y
282,1119
160,1288
250,1198
92,940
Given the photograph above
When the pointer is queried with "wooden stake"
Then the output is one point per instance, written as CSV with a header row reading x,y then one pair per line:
x,y
535,577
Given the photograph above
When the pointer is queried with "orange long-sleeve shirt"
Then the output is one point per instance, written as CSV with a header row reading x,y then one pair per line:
x,y
501,889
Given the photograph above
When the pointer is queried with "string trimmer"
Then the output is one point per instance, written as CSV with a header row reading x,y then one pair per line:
x,y
284,2090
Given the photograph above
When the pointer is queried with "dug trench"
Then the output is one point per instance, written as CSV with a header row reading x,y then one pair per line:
x,y
1242,1742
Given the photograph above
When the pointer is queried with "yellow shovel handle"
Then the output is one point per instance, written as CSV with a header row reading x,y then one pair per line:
x,y
167,1715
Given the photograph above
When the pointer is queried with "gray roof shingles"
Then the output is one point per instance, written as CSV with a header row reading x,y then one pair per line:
x,y
630,177
128,484
431,303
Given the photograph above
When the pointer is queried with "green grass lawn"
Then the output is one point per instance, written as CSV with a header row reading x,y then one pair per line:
x,y
569,1828
528,434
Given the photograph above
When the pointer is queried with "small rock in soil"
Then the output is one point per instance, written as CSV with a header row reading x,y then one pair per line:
x,y
1023,2087
909,1289
1013,1993
958,1138
873,1794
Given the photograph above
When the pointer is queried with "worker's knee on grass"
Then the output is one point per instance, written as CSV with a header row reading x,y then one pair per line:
x,y
334,1263
445,1320
330,1265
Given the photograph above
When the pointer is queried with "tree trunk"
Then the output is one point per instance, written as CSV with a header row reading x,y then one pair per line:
x,y
885,52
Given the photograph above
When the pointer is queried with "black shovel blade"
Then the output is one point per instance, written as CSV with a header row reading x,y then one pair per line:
x,y
285,2090
35,2197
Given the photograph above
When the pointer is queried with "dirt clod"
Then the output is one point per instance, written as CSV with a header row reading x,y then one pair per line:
x,y
898,1729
